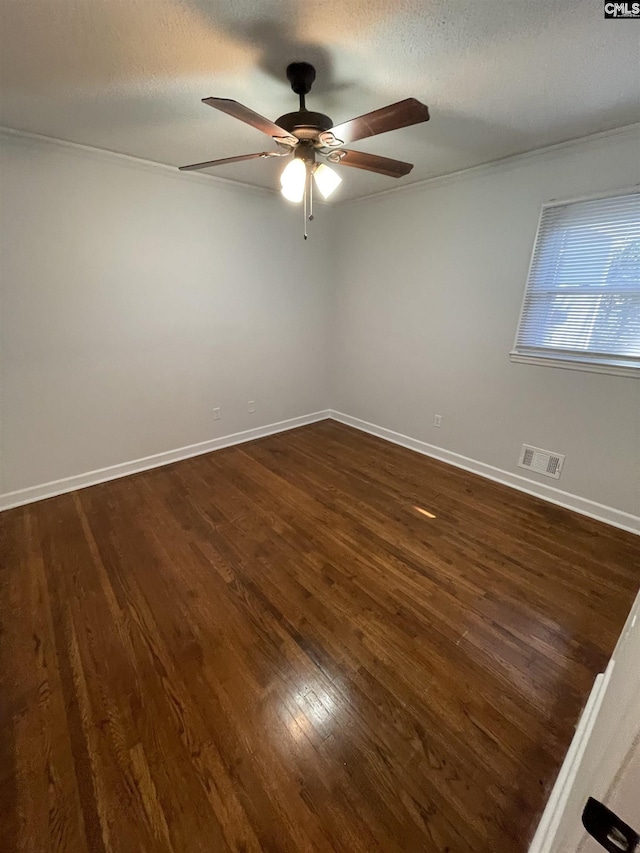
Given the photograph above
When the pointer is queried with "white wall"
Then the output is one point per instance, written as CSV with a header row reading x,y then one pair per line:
x,y
134,299
430,287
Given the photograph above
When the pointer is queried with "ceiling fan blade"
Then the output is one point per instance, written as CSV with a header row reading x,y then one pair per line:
x,y
393,117
239,111
373,163
208,163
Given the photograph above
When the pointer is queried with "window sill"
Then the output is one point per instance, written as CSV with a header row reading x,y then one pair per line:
x,y
573,364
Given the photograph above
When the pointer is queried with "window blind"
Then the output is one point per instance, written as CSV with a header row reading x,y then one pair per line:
x,y
582,299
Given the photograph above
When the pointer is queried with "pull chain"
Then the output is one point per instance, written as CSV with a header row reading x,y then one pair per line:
x,y
307,208
304,210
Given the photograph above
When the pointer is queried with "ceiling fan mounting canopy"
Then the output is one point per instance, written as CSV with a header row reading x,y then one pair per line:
x,y
301,76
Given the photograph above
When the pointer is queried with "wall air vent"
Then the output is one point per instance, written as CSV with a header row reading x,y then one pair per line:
x,y
541,461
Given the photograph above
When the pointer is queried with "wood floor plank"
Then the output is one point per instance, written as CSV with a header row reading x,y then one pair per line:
x,y
317,641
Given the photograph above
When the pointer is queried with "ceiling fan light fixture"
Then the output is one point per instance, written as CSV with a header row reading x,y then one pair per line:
x,y
326,179
293,180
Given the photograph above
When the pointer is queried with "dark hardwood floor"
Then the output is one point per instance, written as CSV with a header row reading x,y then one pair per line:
x,y
274,648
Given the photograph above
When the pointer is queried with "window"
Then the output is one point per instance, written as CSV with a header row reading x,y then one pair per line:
x,y
581,306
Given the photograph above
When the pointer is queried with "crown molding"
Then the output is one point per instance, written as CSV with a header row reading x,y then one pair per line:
x,y
502,164
145,165
135,162
548,152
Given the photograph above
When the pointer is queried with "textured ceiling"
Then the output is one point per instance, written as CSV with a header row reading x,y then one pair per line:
x,y
500,76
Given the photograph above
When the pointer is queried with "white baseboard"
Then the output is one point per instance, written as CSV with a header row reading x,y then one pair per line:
x,y
113,472
610,515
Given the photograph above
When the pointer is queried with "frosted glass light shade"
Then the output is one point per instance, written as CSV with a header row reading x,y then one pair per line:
x,y
326,180
293,180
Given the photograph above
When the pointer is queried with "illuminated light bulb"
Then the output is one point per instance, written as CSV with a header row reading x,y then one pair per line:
x,y
326,180
293,180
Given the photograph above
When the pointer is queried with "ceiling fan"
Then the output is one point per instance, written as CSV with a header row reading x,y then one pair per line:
x,y
311,138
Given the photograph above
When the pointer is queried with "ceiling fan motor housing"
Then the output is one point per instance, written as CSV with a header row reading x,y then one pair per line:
x,y
305,124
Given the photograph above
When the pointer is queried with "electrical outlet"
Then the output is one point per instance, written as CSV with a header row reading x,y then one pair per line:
x,y
216,413
437,420
252,406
